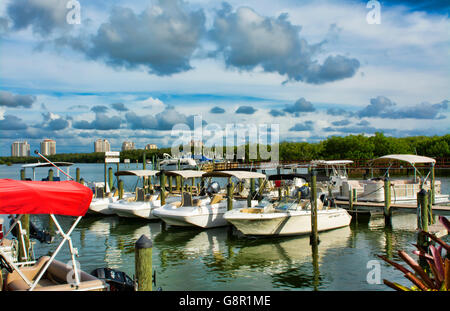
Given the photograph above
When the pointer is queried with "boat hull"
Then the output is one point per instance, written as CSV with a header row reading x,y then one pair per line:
x,y
206,216
287,223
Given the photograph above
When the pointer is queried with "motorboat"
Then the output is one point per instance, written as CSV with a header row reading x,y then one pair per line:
x,y
402,190
206,211
289,216
67,198
101,199
34,166
143,205
171,163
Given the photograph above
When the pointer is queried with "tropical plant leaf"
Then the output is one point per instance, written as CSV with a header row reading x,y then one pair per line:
x,y
417,268
445,222
438,263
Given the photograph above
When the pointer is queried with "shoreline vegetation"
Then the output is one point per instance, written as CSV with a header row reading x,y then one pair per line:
x,y
352,147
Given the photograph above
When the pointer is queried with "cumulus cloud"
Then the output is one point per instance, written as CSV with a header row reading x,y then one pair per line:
x,y
276,113
11,123
11,100
300,127
163,121
162,38
43,16
217,110
339,112
119,107
383,107
53,122
341,122
247,40
99,109
246,110
101,122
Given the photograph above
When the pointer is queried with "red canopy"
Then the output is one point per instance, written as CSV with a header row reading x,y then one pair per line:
x,y
44,197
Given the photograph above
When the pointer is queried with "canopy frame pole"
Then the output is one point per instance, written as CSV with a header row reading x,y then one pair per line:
x,y
37,152
66,236
15,267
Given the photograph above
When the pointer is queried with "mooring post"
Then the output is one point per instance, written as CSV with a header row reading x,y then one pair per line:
x,y
110,178
162,182
82,181
430,207
229,195
22,174
422,220
387,202
77,174
350,198
170,184
432,180
143,263
314,238
144,161
120,189
50,175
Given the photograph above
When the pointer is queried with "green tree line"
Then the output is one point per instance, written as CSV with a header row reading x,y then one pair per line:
x,y
351,147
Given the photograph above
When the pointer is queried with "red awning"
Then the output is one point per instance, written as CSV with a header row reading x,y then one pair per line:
x,y
44,197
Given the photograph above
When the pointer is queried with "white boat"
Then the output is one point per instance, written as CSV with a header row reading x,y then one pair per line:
x,y
286,218
138,204
402,190
101,200
206,211
170,163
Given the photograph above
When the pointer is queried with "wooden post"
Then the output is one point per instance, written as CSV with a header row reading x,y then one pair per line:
x,y
110,178
82,181
170,184
50,175
422,220
432,180
350,198
314,239
24,245
162,182
430,207
144,161
22,174
279,193
105,175
230,195
387,202
77,174
143,263
120,189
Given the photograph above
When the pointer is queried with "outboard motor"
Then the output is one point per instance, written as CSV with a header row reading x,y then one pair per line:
x,y
213,188
118,281
305,192
35,233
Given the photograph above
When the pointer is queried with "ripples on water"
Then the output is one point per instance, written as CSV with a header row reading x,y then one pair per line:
x,y
215,259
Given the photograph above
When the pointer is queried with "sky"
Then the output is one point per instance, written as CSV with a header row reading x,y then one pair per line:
x,y
158,71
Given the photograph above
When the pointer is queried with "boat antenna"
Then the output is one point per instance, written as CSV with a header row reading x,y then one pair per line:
x,y
37,152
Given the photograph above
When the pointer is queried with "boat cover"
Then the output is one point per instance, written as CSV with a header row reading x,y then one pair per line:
x,y
410,158
42,197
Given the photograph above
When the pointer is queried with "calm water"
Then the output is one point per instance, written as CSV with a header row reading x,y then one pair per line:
x,y
192,259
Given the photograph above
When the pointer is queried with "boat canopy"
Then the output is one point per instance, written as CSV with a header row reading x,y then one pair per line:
x,y
42,197
138,173
185,173
237,174
410,158
39,164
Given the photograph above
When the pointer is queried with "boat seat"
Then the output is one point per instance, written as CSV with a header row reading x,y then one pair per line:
x,y
216,199
176,204
54,279
187,199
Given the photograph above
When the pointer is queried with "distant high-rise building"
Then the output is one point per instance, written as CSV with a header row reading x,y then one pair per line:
x,y
151,146
48,147
20,149
127,145
102,145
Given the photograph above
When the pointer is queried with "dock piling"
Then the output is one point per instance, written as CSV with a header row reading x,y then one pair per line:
x,y
229,195
387,202
143,263
50,175
314,238
77,173
120,189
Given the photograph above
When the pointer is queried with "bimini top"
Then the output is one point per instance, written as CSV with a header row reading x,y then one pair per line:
x,y
237,174
306,177
410,158
185,173
139,173
45,164
42,197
